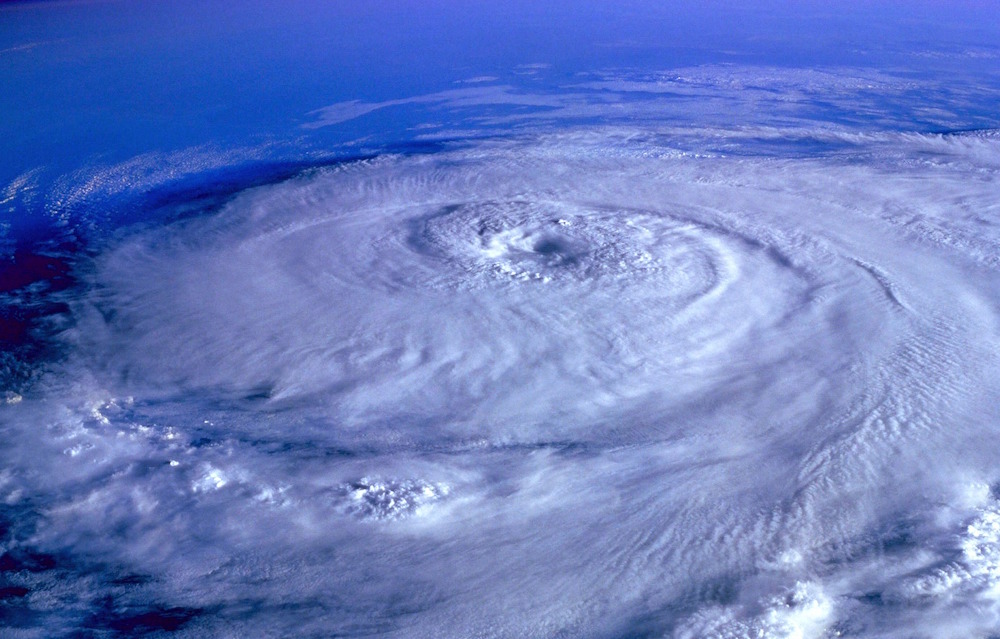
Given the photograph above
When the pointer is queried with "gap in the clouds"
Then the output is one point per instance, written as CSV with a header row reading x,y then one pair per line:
x,y
132,622
136,192
194,195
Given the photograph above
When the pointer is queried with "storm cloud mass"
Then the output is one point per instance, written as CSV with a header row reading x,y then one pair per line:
x,y
705,352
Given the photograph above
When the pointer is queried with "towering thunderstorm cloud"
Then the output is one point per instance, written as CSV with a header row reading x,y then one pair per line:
x,y
602,382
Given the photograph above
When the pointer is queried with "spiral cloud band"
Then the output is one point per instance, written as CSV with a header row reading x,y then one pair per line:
x,y
601,382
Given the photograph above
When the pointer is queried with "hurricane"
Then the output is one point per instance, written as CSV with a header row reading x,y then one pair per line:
x,y
567,374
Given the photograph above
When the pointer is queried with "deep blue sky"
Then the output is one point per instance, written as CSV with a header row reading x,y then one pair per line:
x,y
109,80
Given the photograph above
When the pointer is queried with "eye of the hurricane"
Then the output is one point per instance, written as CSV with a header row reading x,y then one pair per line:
x,y
533,253
500,243
549,246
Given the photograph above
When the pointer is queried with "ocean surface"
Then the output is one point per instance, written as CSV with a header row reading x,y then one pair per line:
x,y
609,321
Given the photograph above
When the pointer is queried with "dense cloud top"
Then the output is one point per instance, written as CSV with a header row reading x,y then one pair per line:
x,y
611,381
